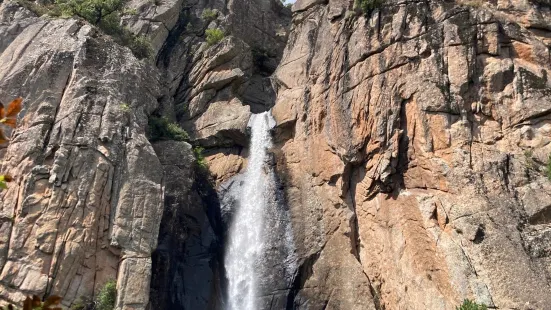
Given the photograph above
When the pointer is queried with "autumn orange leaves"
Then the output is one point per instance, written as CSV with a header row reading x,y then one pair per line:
x,y
35,303
8,117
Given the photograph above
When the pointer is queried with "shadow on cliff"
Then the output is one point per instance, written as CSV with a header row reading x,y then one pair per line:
x,y
187,264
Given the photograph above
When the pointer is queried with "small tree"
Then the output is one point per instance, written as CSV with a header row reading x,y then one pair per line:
x,y
161,128
106,14
107,296
97,12
214,36
367,6
209,15
471,305
201,161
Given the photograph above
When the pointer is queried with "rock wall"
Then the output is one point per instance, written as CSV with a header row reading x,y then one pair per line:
x,y
93,199
86,201
412,144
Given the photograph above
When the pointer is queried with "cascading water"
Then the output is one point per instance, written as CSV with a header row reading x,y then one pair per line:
x,y
259,256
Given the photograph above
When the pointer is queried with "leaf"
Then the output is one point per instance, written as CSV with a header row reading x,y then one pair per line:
x,y
3,185
28,304
52,300
37,302
8,116
14,107
9,122
5,178
3,138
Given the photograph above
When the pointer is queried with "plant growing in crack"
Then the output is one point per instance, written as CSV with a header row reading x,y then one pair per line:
x,y
528,156
214,36
107,296
209,15
471,305
367,6
160,128
106,15
201,161
125,107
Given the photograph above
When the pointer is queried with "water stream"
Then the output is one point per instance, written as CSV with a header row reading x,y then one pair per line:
x,y
259,258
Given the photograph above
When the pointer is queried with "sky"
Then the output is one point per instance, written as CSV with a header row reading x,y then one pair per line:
x,y
290,1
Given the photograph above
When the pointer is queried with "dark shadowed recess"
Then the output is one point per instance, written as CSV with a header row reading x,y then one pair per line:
x,y
187,265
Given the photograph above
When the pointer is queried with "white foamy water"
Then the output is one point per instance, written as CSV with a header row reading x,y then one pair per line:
x,y
246,242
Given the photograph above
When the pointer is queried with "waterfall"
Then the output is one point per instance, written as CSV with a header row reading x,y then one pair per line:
x,y
259,237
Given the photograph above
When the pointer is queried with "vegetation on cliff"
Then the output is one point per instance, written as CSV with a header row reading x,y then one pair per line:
x,y
104,14
160,128
367,6
107,296
471,305
214,36
209,15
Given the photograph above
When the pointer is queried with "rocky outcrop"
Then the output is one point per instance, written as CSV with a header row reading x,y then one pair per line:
x,y
90,192
86,202
412,142
187,261
410,145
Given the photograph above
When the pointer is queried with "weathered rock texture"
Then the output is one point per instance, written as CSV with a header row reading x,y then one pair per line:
x,y
412,143
91,196
186,261
87,201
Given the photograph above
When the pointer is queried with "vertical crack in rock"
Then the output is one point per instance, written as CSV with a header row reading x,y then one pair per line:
x,y
410,146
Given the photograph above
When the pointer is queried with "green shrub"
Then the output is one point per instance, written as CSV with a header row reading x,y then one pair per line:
x,y
214,36
82,303
161,129
471,305
94,11
124,107
4,179
106,15
107,296
40,9
209,15
129,11
141,47
548,167
180,110
198,152
367,6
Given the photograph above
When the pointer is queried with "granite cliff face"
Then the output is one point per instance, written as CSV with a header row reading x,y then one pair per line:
x,y
411,147
412,144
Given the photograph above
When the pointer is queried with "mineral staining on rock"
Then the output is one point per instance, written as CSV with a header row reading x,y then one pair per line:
x,y
403,136
410,145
